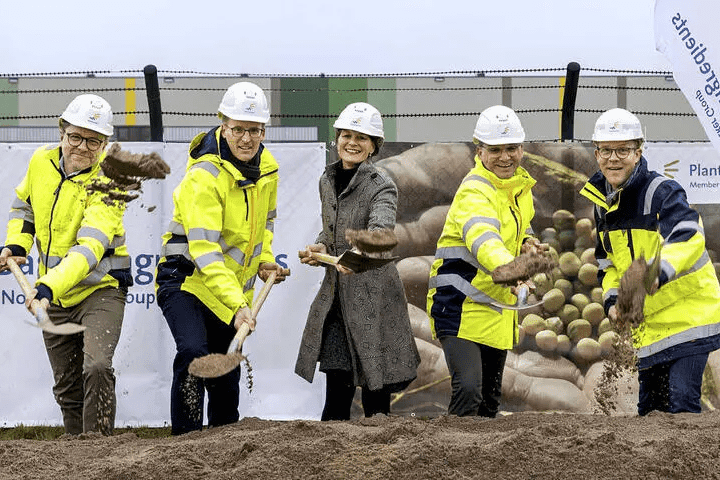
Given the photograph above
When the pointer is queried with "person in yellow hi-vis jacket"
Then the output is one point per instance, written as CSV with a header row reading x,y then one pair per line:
x,y
487,226
83,264
219,241
639,212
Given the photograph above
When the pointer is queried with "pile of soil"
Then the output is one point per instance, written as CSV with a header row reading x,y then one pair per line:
x,y
516,446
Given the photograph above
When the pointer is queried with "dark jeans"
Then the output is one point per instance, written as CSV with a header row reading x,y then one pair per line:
x,y
339,395
476,373
198,332
673,386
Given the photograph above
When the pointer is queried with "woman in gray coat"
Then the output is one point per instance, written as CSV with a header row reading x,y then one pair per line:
x,y
358,327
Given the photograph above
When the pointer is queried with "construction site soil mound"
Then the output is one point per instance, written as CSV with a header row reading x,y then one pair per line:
x,y
516,446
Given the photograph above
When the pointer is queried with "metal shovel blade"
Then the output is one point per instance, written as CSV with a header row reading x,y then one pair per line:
x,y
44,323
521,302
215,365
359,263
64,329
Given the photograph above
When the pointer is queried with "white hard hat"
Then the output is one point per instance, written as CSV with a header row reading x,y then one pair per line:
x,y
246,102
91,112
498,125
364,118
617,124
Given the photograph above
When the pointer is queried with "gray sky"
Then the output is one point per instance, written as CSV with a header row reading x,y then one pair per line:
x,y
329,36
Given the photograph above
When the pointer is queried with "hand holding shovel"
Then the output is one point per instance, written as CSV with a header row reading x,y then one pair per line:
x,y
357,262
216,364
368,245
43,321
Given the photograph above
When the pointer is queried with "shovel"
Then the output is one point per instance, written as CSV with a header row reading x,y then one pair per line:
x,y
357,262
522,296
216,364
43,321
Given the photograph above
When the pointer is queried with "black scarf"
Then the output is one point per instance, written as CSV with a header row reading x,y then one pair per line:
x,y
249,169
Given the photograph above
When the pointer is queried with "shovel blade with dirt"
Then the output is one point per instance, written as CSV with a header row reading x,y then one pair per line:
x,y
216,364
357,262
366,252
42,320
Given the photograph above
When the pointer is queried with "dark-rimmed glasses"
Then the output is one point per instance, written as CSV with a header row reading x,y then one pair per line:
x,y
497,150
621,152
239,132
92,144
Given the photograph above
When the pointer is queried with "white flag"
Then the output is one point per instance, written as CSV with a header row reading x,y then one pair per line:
x,y
686,32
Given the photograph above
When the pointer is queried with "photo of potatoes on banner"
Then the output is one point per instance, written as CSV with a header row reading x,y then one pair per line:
x,y
564,360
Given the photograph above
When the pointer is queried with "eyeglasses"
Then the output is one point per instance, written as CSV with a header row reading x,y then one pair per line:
x,y
239,132
497,150
621,152
92,144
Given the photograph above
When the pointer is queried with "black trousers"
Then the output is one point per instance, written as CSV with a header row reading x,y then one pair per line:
x,y
198,332
476,373
339,394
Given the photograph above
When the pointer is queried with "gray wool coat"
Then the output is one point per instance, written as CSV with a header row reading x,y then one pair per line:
x,y
373,303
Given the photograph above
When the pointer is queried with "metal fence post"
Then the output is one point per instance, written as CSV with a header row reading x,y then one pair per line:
x,y
567,123
153,97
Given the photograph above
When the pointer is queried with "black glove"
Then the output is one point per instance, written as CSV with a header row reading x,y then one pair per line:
x,y
43,291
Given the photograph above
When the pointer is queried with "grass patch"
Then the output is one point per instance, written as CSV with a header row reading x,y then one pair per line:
x,y
23,432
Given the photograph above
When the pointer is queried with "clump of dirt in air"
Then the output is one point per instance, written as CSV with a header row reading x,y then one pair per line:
x,y
248,367
621,361
524,266
372,241
124,173
631,295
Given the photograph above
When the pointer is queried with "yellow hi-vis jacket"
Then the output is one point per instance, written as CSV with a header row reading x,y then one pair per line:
x,y
485,227
632,222
80,239
221,229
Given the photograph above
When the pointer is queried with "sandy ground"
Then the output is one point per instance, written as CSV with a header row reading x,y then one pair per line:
x,y
515,446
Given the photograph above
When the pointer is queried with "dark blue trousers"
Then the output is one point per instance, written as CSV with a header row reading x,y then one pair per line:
x,y
198,332
673,386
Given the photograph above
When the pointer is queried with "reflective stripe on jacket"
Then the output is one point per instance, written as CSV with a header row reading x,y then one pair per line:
x,y
631,222
221,229
485,227
80,239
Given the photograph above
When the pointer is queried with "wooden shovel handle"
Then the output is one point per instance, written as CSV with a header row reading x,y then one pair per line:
x,y
325,258
19,276
244,329
35,306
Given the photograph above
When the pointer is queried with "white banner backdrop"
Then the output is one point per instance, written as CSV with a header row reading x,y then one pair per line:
x,y
143,359
686,33
694,166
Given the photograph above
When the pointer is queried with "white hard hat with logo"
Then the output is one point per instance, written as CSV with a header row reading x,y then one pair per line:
x,y
245,101
91,112
364,118
617,124
498,125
